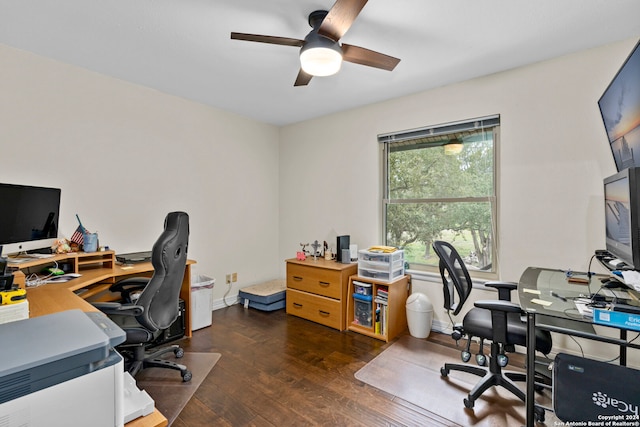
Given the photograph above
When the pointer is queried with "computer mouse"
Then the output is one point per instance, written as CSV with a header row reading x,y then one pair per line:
x,y
612,284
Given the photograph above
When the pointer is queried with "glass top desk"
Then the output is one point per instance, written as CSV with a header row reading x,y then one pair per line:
x,y
548,299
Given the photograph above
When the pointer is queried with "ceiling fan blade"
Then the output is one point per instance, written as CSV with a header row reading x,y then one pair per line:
x,y
340,18
267,39
303,78
362,56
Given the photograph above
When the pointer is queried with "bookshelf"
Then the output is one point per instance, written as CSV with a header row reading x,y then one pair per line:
x,y
373,314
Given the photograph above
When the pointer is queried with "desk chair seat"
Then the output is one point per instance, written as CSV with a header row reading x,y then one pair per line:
x,y
148,306
478,321
499,321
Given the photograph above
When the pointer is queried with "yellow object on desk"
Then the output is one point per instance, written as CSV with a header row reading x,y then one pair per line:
x,y
13,296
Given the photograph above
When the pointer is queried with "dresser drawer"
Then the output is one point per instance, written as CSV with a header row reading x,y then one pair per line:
x,y
319,281
318,309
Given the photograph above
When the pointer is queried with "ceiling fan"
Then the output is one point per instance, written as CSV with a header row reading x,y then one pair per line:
x,y
321,54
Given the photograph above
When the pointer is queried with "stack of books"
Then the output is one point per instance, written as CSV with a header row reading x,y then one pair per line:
x,y
382,302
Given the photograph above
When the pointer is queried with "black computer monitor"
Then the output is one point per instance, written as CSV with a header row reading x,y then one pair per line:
x,y
620,110
28,217
622,216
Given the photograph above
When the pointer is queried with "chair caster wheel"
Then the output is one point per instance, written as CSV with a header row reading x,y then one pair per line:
x,y
468,403
444,372
178,352
481,359
465,356
503,360
539,415
186,376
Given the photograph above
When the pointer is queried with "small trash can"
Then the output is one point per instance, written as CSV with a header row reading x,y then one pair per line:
x,y
201,301
419,315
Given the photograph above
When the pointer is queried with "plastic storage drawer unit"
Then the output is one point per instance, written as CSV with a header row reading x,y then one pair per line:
x,y
385,267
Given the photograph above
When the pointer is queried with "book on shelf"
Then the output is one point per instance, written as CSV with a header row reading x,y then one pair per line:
x,y
381,300
381,318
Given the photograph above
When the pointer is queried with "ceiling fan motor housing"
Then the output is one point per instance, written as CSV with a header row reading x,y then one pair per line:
x,y
316,17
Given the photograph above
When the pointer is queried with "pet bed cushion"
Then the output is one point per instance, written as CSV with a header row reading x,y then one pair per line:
x,y
266,296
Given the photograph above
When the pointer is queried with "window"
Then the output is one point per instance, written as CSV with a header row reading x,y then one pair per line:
x,y
440,185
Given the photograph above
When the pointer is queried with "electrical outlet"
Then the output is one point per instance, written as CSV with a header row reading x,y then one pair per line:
x,y
228,279
234,277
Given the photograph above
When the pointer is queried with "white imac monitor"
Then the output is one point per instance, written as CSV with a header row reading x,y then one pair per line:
x,y
28,217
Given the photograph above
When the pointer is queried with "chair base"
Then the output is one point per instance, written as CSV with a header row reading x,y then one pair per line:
x,y
137,359
490,379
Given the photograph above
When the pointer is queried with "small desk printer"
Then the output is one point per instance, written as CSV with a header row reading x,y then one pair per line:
x,y
61,370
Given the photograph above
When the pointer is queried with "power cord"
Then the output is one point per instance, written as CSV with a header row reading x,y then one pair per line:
x,y
34,280
618,357
224,297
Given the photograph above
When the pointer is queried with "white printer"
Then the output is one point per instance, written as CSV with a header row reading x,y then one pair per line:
x,y
61,370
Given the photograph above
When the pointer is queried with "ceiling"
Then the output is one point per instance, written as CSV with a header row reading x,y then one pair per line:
x,y
183,47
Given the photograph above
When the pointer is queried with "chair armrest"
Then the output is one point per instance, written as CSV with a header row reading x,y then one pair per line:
x,y
119,309
499,314
499,305
504,289
131,284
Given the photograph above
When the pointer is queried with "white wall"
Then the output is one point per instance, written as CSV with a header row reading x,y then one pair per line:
x,y
254,191
553,156
125,155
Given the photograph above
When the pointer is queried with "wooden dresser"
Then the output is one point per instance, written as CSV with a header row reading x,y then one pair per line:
x,y
317,290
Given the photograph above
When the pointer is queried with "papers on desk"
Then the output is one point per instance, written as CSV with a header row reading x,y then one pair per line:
x,y
27,258
62,278
583,306
541,302
630,278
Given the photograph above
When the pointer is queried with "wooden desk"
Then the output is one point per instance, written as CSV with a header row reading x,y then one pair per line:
x,y
99,271
560,316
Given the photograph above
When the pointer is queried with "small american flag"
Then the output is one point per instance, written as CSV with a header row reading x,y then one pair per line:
x,y
78,236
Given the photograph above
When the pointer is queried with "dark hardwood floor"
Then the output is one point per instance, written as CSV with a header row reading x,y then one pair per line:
x,y
279,370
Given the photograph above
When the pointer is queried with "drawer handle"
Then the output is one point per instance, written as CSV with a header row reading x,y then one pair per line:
x,y
298,278
297,305
325,284
324,313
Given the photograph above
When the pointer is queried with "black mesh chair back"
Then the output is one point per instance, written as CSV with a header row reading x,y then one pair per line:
x,y
455,276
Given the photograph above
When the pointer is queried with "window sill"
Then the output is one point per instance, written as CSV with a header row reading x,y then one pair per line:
x,y
427,276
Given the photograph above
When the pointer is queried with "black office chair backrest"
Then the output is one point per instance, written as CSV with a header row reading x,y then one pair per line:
x,y
455,277
160,298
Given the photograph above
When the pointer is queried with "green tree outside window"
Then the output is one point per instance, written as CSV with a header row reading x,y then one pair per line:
x,y
432,195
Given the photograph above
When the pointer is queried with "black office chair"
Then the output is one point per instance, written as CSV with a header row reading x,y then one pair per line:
x,y
150,305
498,321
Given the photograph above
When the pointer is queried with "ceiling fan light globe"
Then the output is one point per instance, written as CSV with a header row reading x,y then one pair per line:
x,y
320,61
